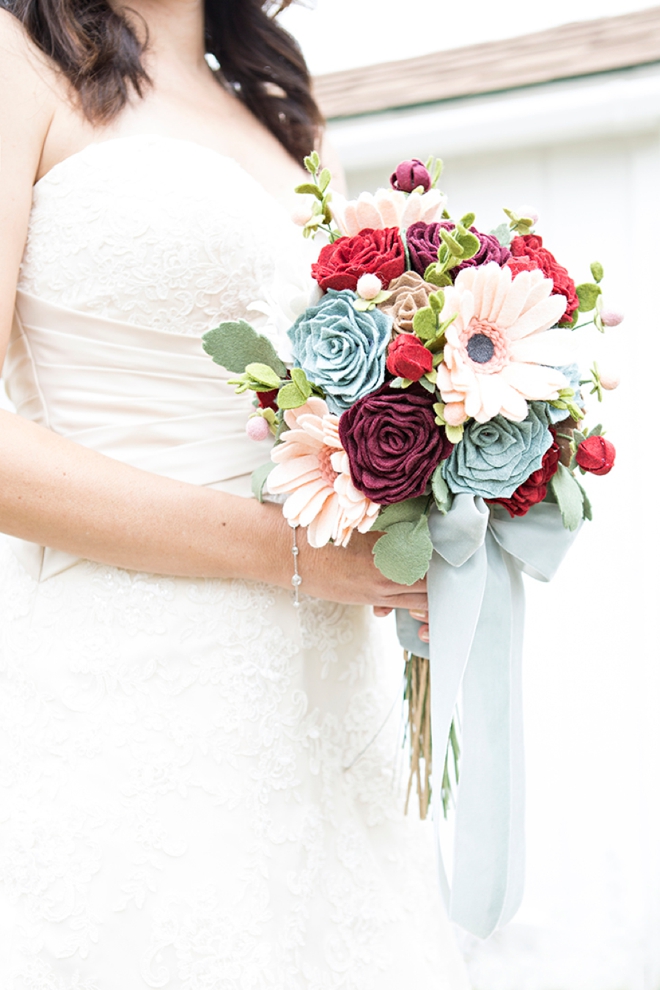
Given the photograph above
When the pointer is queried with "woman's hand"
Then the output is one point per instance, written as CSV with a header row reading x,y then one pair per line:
x,y
421,615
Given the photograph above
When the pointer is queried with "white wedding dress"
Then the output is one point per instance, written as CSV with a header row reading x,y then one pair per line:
x,y
194,791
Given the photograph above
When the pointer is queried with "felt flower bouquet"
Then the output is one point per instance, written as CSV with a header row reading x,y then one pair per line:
x,y
429,360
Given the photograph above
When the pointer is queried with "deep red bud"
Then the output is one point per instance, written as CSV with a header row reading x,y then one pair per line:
x,y
409,175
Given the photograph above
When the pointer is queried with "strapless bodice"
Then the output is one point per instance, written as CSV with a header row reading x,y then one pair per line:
x,y
136,247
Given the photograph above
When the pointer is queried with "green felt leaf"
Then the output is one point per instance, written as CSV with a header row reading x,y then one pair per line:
x,y
425,323
437,301
468,220
264,375
596,271
452,243
596,432
587,294
468,241
568,492
234,345
587,511
259,476
454,433
440,489
428,385
308,189
300,379
435,276
403,553
325,178
291,397
411,510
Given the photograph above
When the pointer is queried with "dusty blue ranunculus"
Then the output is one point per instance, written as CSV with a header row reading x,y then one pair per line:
x,y
572,374
494,458
341,350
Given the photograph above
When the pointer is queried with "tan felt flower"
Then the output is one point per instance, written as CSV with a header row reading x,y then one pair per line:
x,y
500,346
409,293
312,470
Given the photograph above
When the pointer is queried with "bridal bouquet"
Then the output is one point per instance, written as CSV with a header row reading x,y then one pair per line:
x,y
430,363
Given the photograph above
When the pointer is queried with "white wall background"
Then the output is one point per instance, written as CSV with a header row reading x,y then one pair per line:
x,y
587,155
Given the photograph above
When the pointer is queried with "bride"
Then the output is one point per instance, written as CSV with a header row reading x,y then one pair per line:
x,y
194,793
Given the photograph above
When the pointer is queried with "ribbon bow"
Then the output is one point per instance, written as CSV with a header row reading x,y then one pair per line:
x,y
476,616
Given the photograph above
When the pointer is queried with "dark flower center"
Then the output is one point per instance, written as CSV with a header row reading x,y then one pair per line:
x,y
480,348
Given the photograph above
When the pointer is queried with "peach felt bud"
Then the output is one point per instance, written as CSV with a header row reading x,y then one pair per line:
x,y
609,381
369,286
611,317
257,428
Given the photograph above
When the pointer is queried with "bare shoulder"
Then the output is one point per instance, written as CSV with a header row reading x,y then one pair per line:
x,y
28,85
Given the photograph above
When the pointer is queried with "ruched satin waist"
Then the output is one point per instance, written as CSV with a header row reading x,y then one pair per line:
x,y
147,397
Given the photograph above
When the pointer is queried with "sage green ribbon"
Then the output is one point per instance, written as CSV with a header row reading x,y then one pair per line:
x,y
476,617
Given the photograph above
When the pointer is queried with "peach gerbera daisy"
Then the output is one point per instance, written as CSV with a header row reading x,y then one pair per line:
x,y
312,470
500,345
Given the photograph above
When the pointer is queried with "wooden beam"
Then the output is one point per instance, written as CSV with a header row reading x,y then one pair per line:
x,y
564,52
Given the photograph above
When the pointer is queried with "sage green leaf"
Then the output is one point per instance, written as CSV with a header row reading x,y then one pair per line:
x,y
435,276
259,476
234,345
404,552
586,506
264,375
441,494
503,234
437,301
587,294
425,383
568,492
596,271
454,433
411,510
425,323
302,382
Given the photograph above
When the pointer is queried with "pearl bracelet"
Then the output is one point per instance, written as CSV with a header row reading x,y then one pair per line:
x,y
296,580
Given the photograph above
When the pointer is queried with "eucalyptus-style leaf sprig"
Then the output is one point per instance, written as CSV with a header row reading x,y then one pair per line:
x,y
319,188
456,246
434,167
430,329
594,380
521,223
566,401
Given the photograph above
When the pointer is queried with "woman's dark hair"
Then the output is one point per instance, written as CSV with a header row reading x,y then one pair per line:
x,y
100,53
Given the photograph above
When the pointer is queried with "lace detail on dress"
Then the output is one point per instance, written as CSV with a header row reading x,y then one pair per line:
x,y
111,233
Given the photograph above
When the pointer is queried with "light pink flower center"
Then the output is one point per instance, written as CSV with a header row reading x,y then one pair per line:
x,y
328,473
485,347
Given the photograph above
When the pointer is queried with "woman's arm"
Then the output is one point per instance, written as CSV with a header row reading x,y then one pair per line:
x,y
59,494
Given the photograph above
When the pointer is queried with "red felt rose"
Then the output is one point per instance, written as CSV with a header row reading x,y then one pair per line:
x,y
377,252
596,455
528,253
408,358
268,400
534,489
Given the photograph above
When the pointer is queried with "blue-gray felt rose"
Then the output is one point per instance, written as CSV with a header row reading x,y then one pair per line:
x,y
341,349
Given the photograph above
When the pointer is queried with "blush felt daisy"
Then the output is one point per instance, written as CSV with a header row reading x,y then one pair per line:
x,y
502,344
312,470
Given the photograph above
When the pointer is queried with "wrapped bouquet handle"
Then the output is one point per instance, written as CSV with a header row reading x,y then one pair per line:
x,y
476,614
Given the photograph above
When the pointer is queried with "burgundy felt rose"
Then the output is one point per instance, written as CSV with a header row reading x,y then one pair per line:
x,y
409,175
378,252
534,489
393,443
408,358
596,455
424,239
528,253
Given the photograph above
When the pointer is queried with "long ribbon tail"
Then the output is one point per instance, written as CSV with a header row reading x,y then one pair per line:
x,y
488,876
